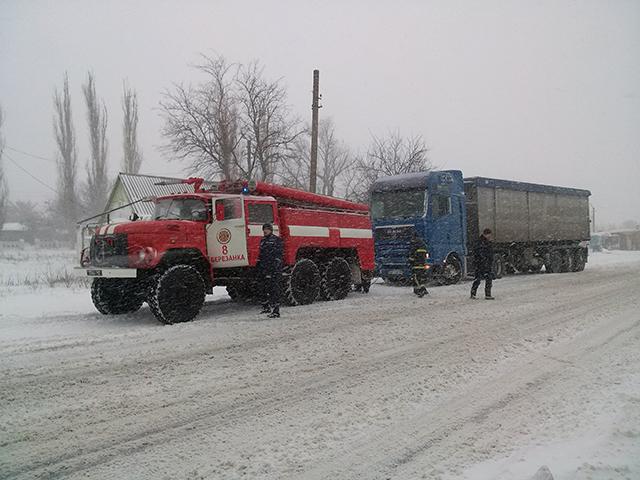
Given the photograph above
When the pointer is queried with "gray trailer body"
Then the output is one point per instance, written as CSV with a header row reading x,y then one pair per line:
x,y
525,215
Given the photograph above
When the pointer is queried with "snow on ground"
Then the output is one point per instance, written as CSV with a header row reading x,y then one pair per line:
x,y
384,385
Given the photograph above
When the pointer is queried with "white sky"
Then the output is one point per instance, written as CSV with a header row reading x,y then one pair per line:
x,y
543,91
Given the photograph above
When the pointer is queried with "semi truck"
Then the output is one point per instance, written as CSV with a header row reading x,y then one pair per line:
x,y
211,236
534,226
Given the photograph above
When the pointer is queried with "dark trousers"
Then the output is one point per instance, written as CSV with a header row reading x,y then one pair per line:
x,y
488,282
420,278
271,291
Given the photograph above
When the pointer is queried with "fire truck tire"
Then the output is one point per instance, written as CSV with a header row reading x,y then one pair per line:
x,y
335,279
301,283
115,296
178,294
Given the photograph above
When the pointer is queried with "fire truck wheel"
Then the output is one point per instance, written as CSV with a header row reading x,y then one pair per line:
x,y
335,279
115,296
178,295
302,283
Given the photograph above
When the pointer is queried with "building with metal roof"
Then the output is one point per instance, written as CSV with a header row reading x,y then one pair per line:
x,y
130,188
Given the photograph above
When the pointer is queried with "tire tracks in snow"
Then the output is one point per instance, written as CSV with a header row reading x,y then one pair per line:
x,y
267,401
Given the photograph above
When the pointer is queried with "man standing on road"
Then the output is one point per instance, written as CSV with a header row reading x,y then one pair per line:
x,y
270,269
483,264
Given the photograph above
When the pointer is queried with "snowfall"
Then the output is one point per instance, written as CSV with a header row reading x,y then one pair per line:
x,y
377,386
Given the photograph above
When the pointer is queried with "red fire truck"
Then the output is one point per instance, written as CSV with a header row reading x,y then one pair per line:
x,y
211,237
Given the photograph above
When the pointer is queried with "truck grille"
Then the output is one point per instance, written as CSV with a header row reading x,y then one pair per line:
x,y
394,233
109,250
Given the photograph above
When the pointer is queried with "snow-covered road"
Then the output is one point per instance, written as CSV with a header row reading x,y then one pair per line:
x,y
378,386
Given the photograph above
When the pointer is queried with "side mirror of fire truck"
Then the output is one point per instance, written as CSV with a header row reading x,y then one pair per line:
x,y
134,216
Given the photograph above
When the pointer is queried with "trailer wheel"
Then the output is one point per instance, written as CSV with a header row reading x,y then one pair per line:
x,y
452,271
579,260
178,295
567,261
302,283
335,279
553,264
116,296
535,268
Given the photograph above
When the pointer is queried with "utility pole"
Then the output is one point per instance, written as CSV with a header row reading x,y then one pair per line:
x,y
315,105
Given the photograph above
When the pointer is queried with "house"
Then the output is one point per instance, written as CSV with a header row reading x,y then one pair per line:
x,y
130,188
15,234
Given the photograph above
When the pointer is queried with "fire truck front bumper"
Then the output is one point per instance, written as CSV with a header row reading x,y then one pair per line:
x,y
98,272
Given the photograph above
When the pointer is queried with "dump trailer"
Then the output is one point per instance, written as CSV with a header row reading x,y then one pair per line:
x,y
534,226
211,237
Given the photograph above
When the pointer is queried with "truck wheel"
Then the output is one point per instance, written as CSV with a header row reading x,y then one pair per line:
x,y
116,296
452,271
302,283
553,264
535,268
178,295
567,261
579,260
335,279
498,266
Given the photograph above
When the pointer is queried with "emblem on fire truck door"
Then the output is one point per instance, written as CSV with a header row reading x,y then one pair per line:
x,y
224,236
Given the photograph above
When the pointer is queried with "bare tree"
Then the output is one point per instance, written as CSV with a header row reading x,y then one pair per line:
x,y
4,188
132,158
234,123
335,161
201,122
266,126
67,200
392,154
97,186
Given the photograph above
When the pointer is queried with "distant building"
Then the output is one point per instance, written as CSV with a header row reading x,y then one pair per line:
x,y
14,233
132,188
627,239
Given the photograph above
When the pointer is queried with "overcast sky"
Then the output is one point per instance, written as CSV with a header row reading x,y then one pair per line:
x,y
539,91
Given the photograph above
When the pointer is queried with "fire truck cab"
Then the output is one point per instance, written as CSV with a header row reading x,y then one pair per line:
x,y
196,241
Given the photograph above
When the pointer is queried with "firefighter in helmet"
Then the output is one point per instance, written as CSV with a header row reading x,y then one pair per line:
x,y
420,269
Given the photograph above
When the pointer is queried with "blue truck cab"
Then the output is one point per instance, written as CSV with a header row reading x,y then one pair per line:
x,y
426,205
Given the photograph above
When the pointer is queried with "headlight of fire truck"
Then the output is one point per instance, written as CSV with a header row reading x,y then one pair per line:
x,y
146,255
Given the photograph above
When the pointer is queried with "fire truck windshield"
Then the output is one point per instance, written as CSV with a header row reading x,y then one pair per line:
x,y
180,209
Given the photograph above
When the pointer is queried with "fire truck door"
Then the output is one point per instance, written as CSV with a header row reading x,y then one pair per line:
x,y
226,235
258,212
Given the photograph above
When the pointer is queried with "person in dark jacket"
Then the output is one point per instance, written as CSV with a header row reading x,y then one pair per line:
x,y
270,269
418,259
483,264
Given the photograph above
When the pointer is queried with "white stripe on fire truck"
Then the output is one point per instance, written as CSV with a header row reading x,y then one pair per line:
x,y
103,230
355,233
111,229
306,231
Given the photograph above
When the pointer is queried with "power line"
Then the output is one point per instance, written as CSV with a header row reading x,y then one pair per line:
x,y
28,173
30,154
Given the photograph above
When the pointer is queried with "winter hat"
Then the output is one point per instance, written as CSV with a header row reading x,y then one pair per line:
x,y
267,226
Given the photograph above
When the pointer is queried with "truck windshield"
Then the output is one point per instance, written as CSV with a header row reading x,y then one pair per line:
x,y
398,204
180,209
